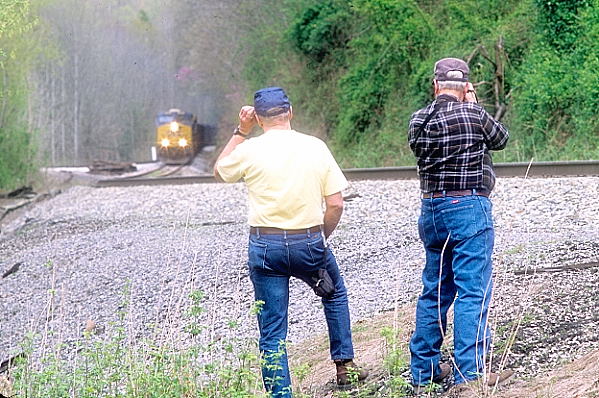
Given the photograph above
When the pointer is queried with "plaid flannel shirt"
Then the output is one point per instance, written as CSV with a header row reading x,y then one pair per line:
x,y
453,148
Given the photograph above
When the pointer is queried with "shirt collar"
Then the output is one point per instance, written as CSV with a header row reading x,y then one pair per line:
x,y
447,98
278,131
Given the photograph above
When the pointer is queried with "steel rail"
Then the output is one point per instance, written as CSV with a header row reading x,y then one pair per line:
x,y
176,180
535,169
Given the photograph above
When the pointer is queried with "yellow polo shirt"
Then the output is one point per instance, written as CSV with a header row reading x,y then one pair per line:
x,y
287,175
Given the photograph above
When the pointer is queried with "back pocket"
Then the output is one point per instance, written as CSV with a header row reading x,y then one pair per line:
x,y
257,256
464,220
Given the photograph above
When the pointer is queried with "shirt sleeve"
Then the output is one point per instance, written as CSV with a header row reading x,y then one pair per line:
x,y
412,134
334,180
416,122
231,168
496,134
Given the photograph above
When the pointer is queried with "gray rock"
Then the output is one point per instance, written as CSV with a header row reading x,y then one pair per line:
x,y
134,255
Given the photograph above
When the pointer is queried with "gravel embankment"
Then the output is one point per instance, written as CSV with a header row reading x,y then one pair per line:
x,y
85,252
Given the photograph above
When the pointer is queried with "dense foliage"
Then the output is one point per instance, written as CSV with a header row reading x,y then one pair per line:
x,y
17,145
368,64
555,107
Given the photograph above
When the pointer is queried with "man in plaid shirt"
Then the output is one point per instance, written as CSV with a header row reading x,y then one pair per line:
x,y
451,139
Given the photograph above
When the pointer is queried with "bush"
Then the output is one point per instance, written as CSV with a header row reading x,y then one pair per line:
x,y
558,22
555,99
362,67
17,150
16,156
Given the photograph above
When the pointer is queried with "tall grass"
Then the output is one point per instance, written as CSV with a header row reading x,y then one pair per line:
x,y
124,366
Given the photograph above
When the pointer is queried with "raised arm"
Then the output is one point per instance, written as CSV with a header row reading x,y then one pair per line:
x,y
247,120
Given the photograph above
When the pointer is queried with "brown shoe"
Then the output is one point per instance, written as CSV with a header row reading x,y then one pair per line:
x,y
348,372
494,379
445,371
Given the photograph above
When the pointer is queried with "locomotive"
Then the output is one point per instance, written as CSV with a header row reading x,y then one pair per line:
x,y
178,136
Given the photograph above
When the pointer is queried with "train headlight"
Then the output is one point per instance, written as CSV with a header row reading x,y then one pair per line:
x,y
174,127
165,142
182,142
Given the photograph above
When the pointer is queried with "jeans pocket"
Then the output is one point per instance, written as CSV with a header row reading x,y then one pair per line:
x,y
464,220
257,256
317,253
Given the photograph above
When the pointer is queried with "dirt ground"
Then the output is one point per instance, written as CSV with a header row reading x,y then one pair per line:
x,y
578,379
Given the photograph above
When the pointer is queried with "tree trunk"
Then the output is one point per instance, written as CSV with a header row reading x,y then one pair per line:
x,y
63,140
51,114
76,110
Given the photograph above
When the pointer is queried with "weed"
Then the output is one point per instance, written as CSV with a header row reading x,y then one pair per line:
x,y
118,368
515,250
396,360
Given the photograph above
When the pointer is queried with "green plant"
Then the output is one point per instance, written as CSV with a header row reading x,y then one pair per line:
x,y
360,68
17,142
120,366
396,360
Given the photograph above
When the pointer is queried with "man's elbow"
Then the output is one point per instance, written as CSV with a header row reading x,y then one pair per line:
x,y
502,144
336,208
217,176
335,204
501,147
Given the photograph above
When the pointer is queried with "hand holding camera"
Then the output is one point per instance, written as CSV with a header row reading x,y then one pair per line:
x,y
470,93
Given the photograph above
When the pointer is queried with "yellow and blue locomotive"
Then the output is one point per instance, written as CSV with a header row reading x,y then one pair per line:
x,y
178,136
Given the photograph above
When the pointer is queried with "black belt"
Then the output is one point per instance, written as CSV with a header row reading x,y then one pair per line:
x,y
463,192
277,231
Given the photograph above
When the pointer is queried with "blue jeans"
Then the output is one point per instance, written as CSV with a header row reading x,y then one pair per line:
x,y
464,225
273,259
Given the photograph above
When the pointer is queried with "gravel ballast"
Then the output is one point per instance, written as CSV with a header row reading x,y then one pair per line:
x,y
84,253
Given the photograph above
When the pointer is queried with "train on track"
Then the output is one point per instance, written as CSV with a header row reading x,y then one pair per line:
x,y
179,136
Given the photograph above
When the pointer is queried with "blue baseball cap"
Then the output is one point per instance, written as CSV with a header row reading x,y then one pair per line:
x,y
271,101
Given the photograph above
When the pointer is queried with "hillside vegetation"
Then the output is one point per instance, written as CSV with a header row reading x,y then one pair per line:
x,y
367,65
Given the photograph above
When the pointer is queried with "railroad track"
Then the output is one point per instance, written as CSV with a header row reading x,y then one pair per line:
x,y
167,171
160,171
534,169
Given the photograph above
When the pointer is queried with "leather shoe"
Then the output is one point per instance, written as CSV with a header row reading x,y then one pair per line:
x,y
348,372
494,379
445,371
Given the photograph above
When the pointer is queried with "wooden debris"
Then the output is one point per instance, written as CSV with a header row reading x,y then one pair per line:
x,y
105,167
12,270
7,364
25,192
352,196
559,268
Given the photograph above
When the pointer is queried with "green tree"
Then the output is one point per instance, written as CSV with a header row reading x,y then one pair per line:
x,y
365,65
554,107
17,148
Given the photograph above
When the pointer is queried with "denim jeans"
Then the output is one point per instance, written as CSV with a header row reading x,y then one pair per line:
x,y
273,259
458,238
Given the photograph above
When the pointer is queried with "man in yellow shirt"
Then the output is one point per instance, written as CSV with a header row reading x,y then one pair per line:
x,y
289,175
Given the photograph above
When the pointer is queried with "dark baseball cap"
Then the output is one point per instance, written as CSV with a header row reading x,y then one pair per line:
x,y
271,101
445,65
